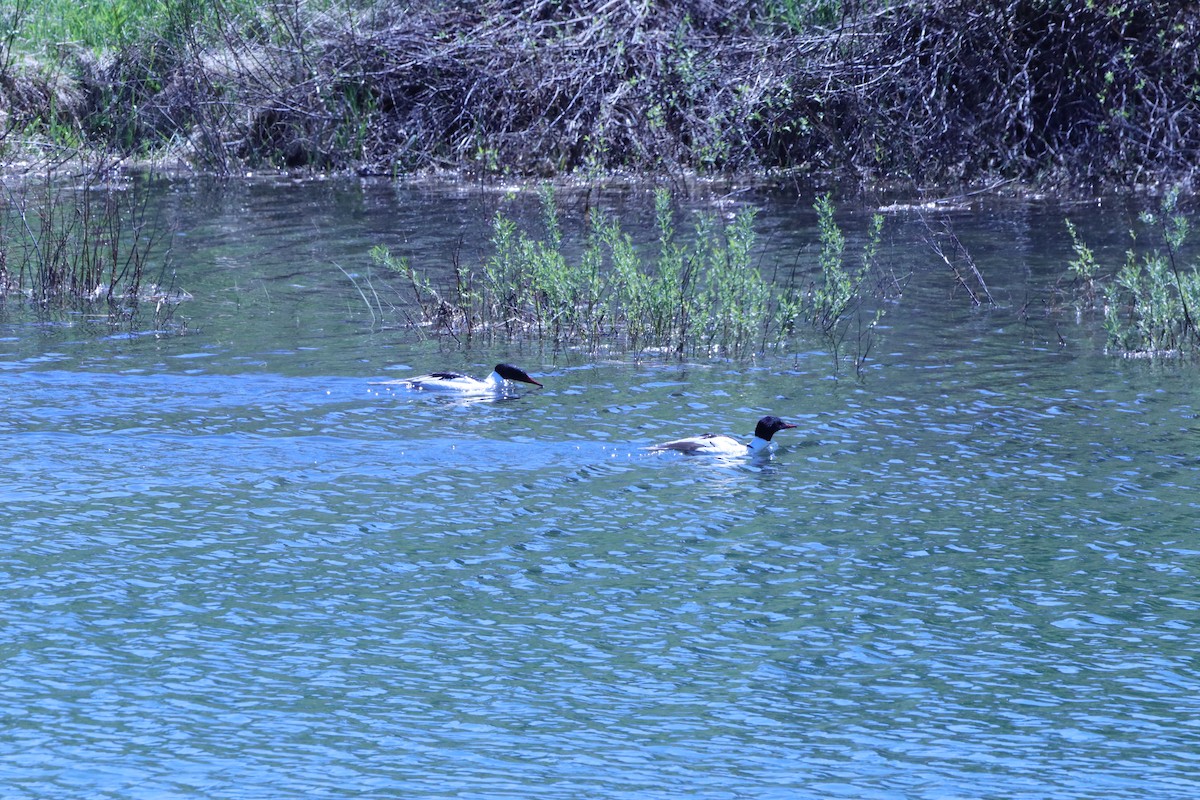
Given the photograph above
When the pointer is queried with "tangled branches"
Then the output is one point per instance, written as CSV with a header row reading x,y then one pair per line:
x,y
951,90
1029,88
602,86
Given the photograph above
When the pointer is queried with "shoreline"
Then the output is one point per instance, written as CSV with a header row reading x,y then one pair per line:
x,y
884,98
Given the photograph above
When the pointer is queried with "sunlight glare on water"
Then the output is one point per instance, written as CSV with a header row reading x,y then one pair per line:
x,y
235,567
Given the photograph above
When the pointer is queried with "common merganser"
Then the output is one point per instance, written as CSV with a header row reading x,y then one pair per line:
x,y
717,445
465,384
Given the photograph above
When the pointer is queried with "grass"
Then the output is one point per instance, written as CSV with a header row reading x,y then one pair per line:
x,y
110,25
696,294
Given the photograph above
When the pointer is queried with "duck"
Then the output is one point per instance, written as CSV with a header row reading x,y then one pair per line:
x,y
502,377
718,445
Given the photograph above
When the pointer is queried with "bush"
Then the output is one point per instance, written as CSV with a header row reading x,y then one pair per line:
x,y
1150,302
1038,90
83,246
703,294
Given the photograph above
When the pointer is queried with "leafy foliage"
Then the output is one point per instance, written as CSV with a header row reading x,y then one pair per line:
x,y
699,294
703,294
1151,300
835,304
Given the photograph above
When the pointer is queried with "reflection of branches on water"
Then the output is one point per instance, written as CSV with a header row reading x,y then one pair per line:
x,y
954,253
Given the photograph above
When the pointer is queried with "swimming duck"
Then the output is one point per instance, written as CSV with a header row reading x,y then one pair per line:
x,y
717,445
501,378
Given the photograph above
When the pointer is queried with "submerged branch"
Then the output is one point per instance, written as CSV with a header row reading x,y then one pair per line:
x,y
976,287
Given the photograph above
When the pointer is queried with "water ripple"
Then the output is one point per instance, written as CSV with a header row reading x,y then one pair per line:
x,y
258,586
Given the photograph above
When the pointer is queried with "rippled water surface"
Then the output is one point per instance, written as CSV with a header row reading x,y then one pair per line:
x,y
235,567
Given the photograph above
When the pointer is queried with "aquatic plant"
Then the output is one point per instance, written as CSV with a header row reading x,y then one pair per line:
x,y
1083,269
703,294
83,245
1151,300
834,306
528,280
697,294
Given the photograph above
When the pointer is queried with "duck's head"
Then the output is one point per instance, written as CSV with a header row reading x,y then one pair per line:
x,y
769,426
511,373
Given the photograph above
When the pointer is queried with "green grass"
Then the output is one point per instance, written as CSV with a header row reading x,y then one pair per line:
x,y
803,15
110,25
96,24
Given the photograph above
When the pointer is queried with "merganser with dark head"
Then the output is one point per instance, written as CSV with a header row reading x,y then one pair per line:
x,y
502,377
717,445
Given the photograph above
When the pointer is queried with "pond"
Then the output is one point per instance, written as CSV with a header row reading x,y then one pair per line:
x,y
235,565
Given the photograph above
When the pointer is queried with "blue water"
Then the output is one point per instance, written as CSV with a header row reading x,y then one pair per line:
x,y
234,567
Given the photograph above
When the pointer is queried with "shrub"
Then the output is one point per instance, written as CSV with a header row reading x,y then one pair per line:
x,y
833,306
703,294
1150,302
79,246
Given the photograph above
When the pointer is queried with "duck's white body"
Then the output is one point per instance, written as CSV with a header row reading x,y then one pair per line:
x,y
454,382
502,377
711,444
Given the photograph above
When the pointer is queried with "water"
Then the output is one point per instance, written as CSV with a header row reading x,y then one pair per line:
x,y
235,568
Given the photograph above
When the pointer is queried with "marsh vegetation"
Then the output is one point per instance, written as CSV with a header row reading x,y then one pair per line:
x,y
702,292
87,245
1149,301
